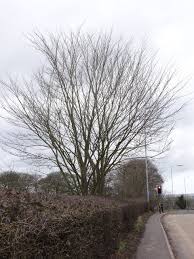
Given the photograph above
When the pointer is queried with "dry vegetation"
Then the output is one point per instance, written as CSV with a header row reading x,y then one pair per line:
x,y
39,225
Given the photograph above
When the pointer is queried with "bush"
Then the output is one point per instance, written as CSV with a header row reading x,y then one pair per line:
x,y
181,202
46,226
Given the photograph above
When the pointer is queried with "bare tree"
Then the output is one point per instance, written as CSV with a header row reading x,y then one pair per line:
x,y
18,181
54,182
130,179
88,107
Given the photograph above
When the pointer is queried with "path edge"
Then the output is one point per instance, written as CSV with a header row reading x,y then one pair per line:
x,y
166,237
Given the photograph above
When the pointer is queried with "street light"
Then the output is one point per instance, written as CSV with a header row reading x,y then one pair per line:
x,y
146,169
185,192
171,180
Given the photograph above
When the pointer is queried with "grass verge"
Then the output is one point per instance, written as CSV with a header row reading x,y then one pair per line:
x,y
130,241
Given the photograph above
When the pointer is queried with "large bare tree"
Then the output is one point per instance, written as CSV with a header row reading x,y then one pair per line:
x,y
89,107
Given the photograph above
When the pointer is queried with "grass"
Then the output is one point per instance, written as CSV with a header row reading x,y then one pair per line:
x,y
129,242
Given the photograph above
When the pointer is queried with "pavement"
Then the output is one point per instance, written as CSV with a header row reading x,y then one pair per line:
x,y
154,244
180,230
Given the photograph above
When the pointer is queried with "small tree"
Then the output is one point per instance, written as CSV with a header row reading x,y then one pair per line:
x,y
18,181
131,179
54,182
181,202
9,180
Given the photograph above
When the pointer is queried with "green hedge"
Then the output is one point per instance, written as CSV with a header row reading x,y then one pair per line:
x,y
40,226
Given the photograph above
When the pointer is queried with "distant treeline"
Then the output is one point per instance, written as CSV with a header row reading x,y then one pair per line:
x,y
128,181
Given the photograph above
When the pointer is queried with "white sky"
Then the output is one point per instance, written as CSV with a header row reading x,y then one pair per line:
x,y
166,25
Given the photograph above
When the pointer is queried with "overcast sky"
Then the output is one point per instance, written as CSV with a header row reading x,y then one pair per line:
x,y
167,27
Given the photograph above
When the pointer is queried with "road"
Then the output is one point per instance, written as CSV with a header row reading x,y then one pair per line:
x,y
180,229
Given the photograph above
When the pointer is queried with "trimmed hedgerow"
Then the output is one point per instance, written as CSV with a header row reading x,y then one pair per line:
x,y
45,226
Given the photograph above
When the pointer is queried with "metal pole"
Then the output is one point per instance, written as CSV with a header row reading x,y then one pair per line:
x,y
172,182
185,193
172,189
146,169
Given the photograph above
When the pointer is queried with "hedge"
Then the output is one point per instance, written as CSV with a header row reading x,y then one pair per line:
x,y
46,226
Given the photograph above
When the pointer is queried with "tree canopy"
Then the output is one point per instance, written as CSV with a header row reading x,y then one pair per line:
x,y
89,107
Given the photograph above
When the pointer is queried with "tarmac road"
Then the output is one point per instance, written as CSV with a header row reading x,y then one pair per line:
x,y
180,229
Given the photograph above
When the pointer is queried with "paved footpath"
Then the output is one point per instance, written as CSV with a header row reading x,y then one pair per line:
x,y
153,244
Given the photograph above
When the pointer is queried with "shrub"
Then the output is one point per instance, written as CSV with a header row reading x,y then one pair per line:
x,y
46,226
139,224
181,202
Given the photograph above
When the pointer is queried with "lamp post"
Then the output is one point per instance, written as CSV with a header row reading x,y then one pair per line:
x,y
185,193
147,177
146,157
172,181
146,171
